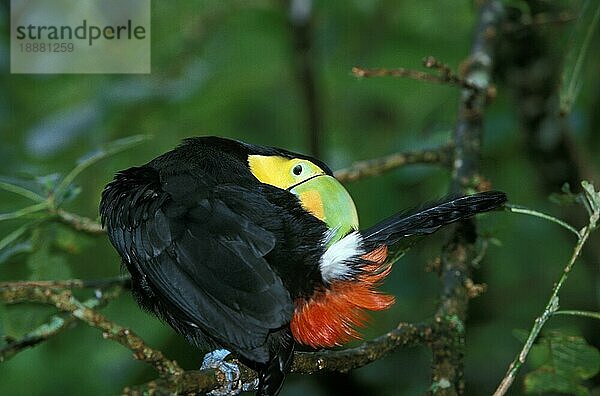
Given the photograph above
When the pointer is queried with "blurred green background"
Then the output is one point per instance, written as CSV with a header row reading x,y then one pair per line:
x,y
230,68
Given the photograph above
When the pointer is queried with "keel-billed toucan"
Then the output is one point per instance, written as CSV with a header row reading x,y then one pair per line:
x,y
256,249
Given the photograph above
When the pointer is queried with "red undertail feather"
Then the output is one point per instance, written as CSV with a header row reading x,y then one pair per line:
x,y
330,317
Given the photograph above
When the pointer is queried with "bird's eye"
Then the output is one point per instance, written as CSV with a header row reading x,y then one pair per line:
x,y
297,170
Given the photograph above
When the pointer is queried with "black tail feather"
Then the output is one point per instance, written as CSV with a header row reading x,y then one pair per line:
x,y
272,375
430,219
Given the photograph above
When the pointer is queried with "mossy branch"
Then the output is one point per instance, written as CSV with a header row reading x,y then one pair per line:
x,y
172,378
17,292
343,360
374,167
58,323
459,253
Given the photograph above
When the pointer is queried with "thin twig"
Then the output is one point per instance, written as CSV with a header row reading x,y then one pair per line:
x,y
588,314
64,300
535,213
68,283
405,334
446,76
56,325
402,72
540,19
112,148
15,235
15,189
551,308
377,166
28,210
553,303
79,223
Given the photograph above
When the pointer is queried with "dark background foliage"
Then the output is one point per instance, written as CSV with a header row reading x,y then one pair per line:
x,y
230,68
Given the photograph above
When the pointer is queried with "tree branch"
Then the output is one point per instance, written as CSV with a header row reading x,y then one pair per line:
x,y
79,223
445,75
478,70
172,378
121,281
459,252
377,166
56,325
405,335
64,300
540,19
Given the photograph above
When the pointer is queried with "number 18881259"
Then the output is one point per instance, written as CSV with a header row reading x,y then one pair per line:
x,y
47,47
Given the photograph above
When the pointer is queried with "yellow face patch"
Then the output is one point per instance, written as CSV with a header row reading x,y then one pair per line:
x,y
320,194
282,172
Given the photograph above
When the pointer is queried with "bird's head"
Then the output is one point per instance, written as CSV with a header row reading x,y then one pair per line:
x,y
309,179
313,183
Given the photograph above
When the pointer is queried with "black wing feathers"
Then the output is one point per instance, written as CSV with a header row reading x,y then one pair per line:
x,y
199,255
430,219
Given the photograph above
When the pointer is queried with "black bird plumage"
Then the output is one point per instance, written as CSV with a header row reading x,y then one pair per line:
x,y
221,257
430,218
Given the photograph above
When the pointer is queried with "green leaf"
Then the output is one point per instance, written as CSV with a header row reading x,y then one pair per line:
x,y
592,196
564,362
545,380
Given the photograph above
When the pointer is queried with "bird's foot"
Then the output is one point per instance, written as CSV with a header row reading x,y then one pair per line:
x,y
233,379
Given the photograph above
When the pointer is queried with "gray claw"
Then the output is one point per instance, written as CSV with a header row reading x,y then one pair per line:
x,y
216,360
